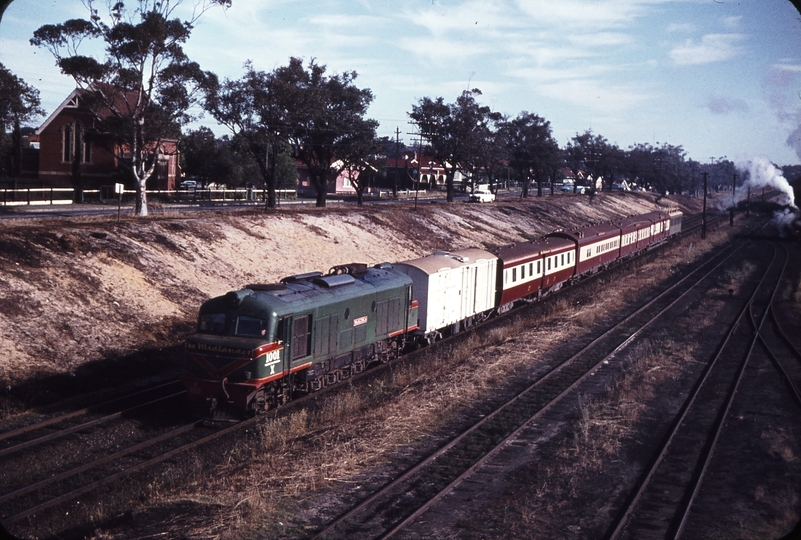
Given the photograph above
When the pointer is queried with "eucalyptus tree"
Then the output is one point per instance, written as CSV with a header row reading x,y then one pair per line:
x,y
249,108
323,114
138,83
531,148
19,103
456,133
360,154
590,153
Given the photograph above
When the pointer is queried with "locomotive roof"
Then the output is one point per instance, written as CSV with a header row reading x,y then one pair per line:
x,y
308,291
527,251
445,260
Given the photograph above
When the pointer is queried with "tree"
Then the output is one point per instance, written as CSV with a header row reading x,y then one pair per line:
x,y
19,103
318,115
142,88
247,107
531,148
590,153
359,152
322,115
457,133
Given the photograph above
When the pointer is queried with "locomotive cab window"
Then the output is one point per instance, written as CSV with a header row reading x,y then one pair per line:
x,y
213,323
251,326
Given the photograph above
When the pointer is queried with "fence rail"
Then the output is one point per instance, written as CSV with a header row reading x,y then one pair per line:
x,y
106,195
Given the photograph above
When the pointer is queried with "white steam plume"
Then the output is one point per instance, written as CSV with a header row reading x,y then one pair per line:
x,y
761,173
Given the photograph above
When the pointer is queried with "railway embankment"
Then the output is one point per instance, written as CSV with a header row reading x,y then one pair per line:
x,y
85,300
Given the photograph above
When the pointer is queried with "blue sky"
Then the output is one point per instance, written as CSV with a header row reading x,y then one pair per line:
x,y
719,77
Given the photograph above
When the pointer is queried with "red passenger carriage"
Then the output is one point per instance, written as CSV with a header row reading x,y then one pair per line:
x,y
596,245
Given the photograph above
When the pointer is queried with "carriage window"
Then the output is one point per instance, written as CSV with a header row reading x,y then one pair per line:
x,y
514,274
213,323
563,259
539,268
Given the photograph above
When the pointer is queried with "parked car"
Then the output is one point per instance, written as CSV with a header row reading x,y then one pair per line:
x,y
482,194
189,184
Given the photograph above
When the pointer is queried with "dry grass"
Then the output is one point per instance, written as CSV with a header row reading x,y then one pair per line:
x,y
271,474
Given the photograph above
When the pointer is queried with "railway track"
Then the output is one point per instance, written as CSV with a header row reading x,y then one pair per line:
x,y
46,458
662,505
55,427
401,501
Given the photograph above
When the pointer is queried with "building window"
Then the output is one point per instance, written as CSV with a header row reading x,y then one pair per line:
x,y
86,148
66,144
73,141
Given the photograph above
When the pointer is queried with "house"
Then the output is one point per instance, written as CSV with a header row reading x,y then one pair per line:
x,y
413,170
341,185
69,144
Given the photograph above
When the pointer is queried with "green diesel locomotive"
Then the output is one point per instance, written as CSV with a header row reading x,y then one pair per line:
x,y
256,347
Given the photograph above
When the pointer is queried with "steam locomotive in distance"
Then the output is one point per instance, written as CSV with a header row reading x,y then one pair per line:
x,y
257,347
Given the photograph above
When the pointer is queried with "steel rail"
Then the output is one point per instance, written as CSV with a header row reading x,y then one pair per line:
x,y
121,474
730,399
621,522
79,427
91,465
54,420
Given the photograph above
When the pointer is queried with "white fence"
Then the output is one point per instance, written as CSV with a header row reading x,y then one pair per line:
x,y
62,196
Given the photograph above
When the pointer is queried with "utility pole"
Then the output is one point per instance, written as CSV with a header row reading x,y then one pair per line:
x,y
748,202
703,214
397,154
731,211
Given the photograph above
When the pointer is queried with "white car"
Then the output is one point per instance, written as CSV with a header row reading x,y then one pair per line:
x,y
482,194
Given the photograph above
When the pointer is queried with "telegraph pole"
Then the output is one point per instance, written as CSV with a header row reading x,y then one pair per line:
x,y
397,155
731,211
748,202
703,214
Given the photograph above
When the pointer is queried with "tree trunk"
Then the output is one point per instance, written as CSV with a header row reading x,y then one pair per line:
x,y
526,181
321,183
271,179
141,198
449,185
16,150
77,180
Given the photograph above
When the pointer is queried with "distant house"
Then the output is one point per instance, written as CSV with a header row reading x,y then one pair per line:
x,y
341,185
68,135
405,168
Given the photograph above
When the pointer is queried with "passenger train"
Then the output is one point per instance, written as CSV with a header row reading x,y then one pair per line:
x,y
255,348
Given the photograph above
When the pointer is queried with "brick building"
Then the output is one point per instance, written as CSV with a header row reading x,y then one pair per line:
x,y
69,146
